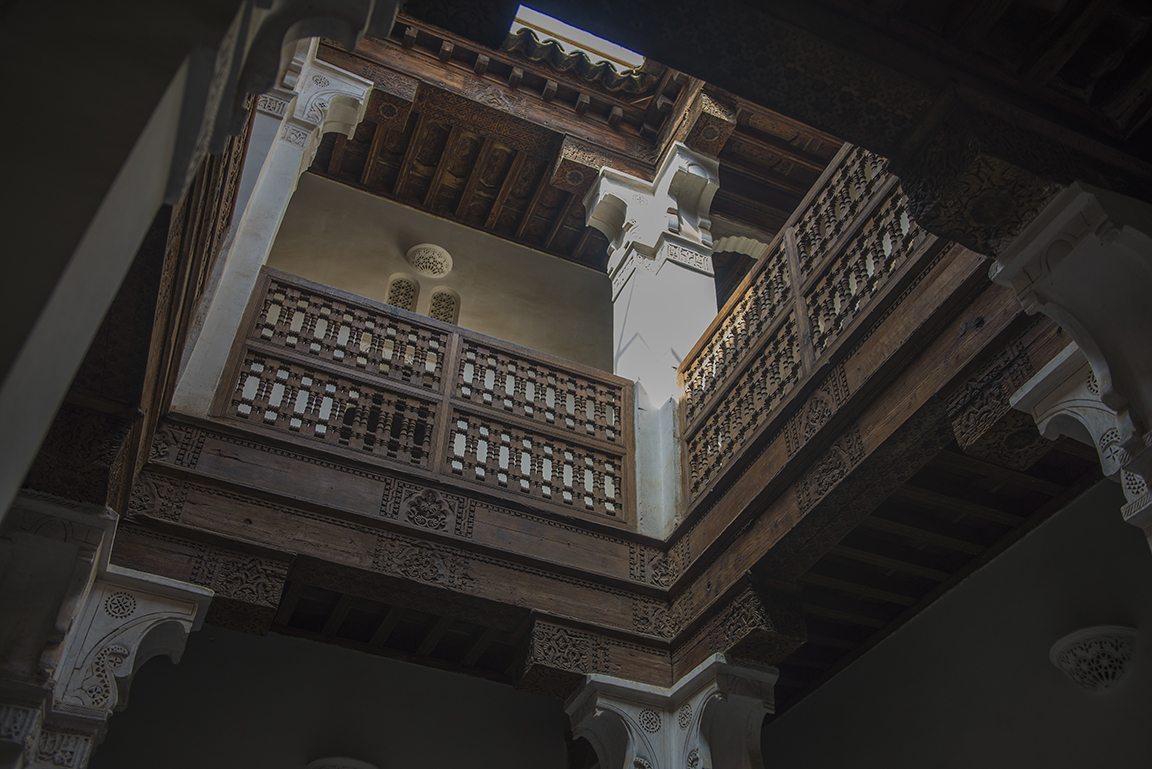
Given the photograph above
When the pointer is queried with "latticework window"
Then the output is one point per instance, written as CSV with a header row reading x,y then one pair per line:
x,y
444,306
402,293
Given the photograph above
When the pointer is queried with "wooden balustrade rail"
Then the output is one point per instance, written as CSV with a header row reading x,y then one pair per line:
x,y
849,243
323,367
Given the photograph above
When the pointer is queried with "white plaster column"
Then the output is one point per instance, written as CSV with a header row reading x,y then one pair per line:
x,y
660,263
324,98
663,299
710,719
1086,262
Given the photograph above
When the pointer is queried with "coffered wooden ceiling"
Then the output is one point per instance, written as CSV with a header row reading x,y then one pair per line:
x,y
509,141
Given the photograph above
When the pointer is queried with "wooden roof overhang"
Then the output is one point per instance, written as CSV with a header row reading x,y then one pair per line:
x,y
509,144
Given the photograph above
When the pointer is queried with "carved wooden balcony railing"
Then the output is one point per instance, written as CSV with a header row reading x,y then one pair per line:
x,y
321,367
837,260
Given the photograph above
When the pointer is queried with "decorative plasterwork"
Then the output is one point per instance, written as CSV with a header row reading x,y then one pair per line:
x,y
665,219
1095,658
429,259
1064,399
128,618
710,718
1086,262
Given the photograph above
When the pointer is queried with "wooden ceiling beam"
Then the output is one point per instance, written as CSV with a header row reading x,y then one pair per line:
x,y
565,212
885,562
336,618
479,646
1062,39
450,146
409,155
834,643
474,178
371,171
787,151
581,244
852,588
770,210
428,645
839,615
922,535
973,19
337,158
762,175
934,499
386,626
530,210
959,463
288,602
506,189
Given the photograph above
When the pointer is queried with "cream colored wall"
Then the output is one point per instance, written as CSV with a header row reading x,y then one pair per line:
x,y
349,239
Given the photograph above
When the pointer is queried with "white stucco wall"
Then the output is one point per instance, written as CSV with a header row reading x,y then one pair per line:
x,y
968,683
354,241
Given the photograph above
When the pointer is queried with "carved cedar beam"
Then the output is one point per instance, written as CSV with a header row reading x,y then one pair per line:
x,y
756,623
474,177
446,156
373,168
410,154
247,583
506,188
555,656
986,425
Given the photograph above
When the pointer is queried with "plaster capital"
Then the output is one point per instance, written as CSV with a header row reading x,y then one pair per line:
x,y
128,618
710,718
1086,262
633,212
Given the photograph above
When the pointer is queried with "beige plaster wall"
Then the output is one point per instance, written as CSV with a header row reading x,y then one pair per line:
x,y
349,239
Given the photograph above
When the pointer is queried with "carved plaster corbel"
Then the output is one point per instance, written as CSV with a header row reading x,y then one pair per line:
x,y
710,719
1086,262
1065,399
128,618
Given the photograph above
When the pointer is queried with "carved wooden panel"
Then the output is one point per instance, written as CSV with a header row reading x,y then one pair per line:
x,y
741,328
328,328
483,450
834,209
330,368
544,394
747,405
873,256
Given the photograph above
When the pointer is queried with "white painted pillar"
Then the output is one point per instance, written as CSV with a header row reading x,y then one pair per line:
x,y
324,98
660,262
663,298
711,718
1086,262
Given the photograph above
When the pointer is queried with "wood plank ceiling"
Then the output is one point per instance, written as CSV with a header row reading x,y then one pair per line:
x,y
948,520
487,137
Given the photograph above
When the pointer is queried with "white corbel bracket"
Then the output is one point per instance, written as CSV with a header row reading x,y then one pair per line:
x,y
1086,262
710,719
128,618
635,214
1064,398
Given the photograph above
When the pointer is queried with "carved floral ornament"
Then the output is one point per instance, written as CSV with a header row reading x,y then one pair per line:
x,y
1095,658
430,259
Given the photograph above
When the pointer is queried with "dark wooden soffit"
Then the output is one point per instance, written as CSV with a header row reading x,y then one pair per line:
x,y
510,147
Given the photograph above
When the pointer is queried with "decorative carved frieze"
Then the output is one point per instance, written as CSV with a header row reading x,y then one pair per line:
x,y
817,410
960,191
841,457
554,659
712,124
986,425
